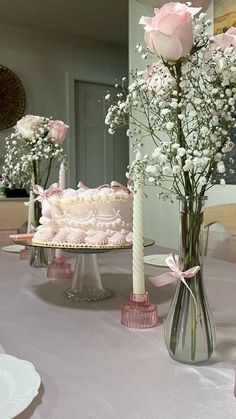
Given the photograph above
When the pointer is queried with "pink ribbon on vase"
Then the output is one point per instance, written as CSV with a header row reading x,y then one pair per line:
x,y
172,261
43,197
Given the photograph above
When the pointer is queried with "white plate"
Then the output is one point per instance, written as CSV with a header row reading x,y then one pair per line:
x,y
19,384
155,260
14,248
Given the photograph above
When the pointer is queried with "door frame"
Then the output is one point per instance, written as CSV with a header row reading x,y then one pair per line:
x,y
70,143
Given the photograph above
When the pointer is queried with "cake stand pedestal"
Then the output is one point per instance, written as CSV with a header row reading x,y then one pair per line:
x,y
86,283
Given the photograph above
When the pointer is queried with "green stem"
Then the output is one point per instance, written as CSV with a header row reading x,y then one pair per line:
x,y
180,134
49,171
193,326
191,218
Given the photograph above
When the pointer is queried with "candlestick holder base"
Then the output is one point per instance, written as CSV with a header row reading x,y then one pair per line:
x,y
24,253
138,312
59,268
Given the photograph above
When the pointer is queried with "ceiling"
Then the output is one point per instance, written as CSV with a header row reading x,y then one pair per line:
x,y
104,20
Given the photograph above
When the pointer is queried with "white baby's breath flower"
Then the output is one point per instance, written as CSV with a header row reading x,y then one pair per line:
x,y
169,126
186,111
22,152
181,151
220,167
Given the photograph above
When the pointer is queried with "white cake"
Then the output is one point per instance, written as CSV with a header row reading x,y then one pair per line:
x,y
99,217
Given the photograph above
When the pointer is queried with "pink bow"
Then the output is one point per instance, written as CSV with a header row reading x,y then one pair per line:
x,y
43,197
172,261
82,185
45,193
117,185
114,185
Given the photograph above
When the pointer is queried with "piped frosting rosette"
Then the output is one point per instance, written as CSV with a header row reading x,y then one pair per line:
x,y
76,237
99,239
118,239
44,235
129,238
61,236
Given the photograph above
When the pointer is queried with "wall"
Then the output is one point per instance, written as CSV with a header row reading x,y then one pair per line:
x,y
161,218
45,62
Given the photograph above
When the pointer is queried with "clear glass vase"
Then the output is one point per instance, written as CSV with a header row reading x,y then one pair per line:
x,y
189,328
38,256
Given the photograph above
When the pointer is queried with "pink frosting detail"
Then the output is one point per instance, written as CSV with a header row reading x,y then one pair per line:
x,y
61,236
69,193
99,238
106,188
106,191
44,235
129,237
117,239
76,236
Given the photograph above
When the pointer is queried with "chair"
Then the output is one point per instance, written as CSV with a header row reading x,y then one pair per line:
x,y
224,215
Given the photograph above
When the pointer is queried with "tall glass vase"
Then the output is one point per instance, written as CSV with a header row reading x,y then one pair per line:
x,y
189,328
38,256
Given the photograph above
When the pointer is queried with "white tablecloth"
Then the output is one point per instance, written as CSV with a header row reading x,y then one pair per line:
x,y
94,368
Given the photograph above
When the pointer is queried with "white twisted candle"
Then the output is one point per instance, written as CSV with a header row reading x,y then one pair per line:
x,y
138,264
62,177
62,185
30,211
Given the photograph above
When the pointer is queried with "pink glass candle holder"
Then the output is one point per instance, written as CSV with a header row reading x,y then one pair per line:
x,y
138,312
59,268
24,253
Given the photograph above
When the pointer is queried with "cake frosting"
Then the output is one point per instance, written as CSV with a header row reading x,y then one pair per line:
x,y
98,217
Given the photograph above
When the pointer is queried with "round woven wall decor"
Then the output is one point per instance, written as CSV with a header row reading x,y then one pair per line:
x,y
12,98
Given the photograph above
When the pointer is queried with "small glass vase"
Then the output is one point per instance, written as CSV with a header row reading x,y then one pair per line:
x,y
189,328
38,257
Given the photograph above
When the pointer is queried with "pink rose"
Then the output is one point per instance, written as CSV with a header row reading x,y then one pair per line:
x,y
57,130
27,125
204,4
169,33
225,40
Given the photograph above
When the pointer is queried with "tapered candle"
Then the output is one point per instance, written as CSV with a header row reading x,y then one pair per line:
x,y
62,185
62,177
138,264
30,211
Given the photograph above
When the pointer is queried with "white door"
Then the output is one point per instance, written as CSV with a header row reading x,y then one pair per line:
x,y
100,157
